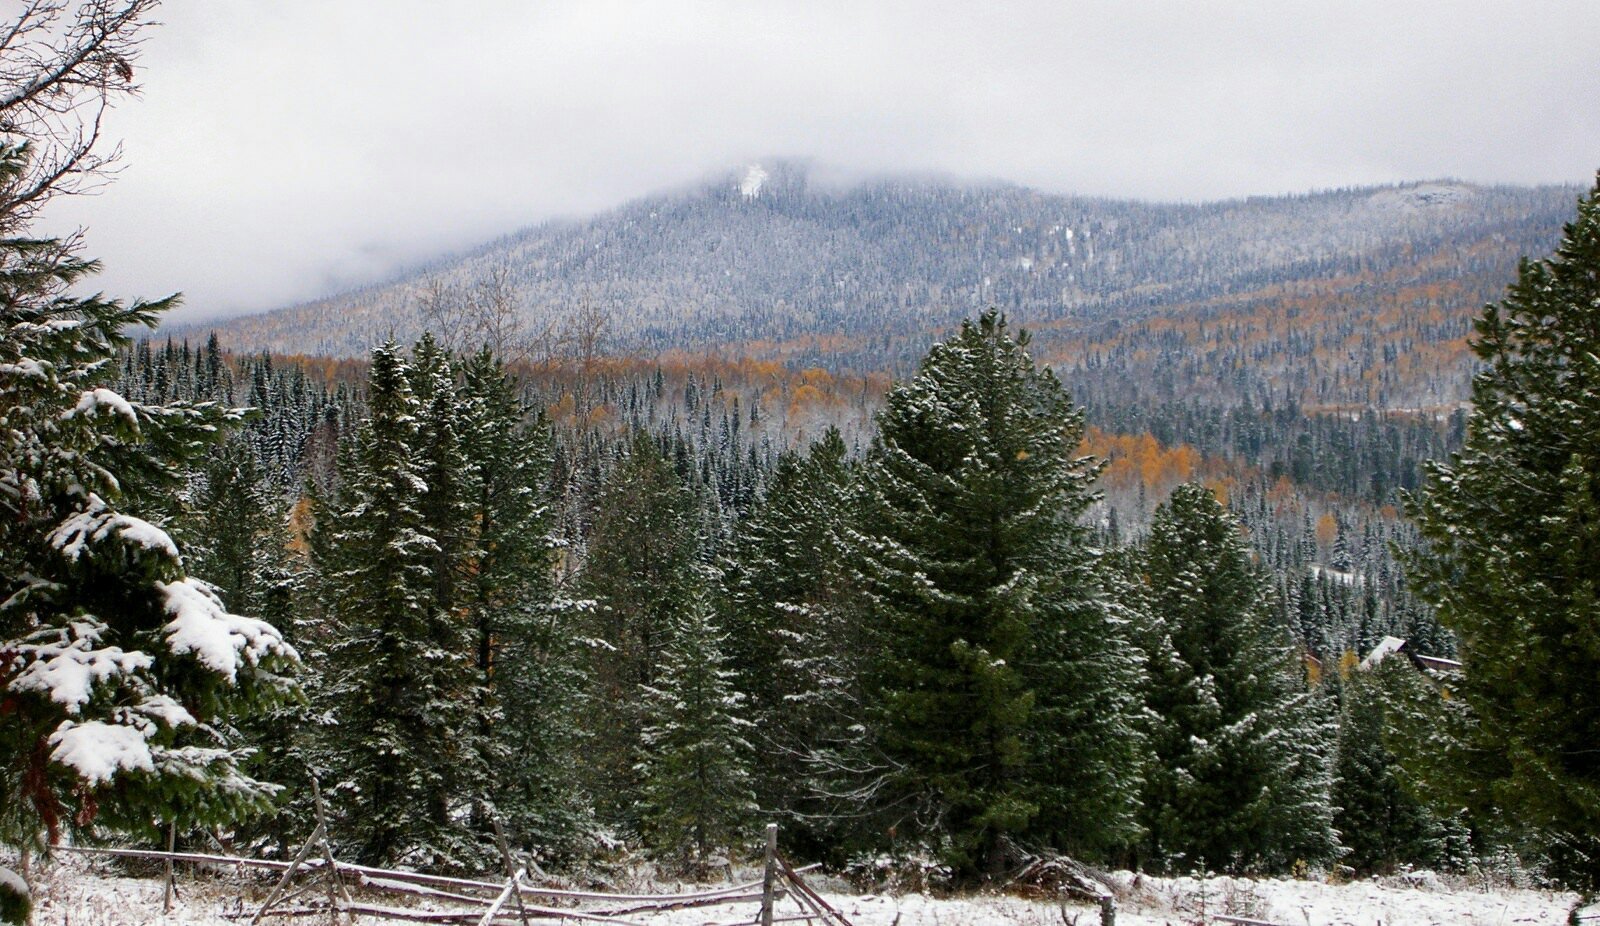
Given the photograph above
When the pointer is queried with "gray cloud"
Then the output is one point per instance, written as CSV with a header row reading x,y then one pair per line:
x,y
282,150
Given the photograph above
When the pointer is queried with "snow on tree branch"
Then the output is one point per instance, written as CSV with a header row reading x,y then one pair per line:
x,y
220,641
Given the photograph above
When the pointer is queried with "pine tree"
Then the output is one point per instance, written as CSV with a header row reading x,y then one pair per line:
x,y
118,670
975,572
1242,750
236,540
1088,736
1513,530
524,640
1382,825
640,577
402,745
791,638
694,759
443,468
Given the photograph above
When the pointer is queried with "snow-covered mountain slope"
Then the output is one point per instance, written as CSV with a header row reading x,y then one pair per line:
x,y
771,253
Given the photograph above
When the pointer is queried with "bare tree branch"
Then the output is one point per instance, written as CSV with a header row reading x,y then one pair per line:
x,y
63,64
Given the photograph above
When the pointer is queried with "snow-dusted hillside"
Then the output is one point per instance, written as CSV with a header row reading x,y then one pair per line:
x,y
773,252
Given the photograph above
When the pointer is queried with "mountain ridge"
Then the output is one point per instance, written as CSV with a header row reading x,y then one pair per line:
x,y
779,253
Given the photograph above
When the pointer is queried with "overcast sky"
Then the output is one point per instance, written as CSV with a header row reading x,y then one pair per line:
x,y
285,149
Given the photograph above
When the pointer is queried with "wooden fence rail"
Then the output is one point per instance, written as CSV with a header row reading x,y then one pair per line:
x,y
481,902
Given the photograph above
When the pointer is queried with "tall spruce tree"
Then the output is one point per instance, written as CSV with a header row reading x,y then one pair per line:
x,y
1088,738
1513,530
975,572
694,758
792,640
639,574
1382,824
236,531
401,749
524,639
118,670
1241,775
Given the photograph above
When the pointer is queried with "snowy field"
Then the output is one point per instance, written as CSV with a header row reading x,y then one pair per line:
x,y
76,893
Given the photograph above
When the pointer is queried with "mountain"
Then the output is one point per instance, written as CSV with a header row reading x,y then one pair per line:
x,y
1350,297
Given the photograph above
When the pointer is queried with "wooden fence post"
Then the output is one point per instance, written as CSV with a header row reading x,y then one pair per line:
x,y
511,869
769,877
336,887
283,882
171,887
1108,910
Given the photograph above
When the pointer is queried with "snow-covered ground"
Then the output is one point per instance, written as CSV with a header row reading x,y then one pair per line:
x,y
80,894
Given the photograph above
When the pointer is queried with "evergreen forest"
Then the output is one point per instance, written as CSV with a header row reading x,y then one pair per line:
x,y
941,577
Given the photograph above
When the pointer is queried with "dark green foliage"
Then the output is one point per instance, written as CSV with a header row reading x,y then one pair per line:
x,y
1242,749
1513,525
119,672
15,906
237,530
402,753
695,795
524,645
793,639
978,590
1381,824
640,576
1088,746
802,630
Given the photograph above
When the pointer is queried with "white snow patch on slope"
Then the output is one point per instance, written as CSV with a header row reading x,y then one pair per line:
x,y
754,176
1422,196
1337,575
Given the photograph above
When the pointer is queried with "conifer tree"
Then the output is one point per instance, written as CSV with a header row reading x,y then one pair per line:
x,y
403,695
1382,824
1088,737
974,570
639,574
524,638
1241,775
792,640
696,795
1513,530
237,542
118,669
443,468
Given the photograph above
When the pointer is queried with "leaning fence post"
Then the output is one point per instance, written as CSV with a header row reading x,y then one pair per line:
x,y
288,873
511,869
336,886
769,877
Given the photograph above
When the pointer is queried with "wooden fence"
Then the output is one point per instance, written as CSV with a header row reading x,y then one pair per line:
x,y
311,887
316,884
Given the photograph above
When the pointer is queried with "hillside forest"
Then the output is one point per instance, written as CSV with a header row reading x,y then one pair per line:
x,y
1179,538
631,606
617,606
